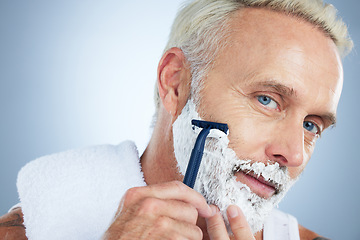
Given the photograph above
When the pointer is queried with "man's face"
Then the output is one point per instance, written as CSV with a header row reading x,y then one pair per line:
x,y
277,85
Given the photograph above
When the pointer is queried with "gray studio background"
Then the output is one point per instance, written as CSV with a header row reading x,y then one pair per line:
x,y
78,73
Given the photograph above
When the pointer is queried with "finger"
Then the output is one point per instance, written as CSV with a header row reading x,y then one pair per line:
x,y
215,225
239,225
171,190
168,228
162,228
174,209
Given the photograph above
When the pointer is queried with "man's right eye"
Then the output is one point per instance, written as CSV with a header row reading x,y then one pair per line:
x,y
267,101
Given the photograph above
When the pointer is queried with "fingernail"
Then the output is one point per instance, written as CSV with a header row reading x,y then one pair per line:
x,y
233,211
214,210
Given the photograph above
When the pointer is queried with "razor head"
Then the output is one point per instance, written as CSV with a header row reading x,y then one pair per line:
x,y
211,125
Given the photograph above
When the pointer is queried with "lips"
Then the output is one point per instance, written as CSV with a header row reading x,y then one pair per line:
x,y
257,184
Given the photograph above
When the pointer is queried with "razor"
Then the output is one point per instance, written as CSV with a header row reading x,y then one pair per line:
x,y
198,150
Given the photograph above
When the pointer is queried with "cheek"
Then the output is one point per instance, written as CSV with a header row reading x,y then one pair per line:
x,y
295,172
249,129
249,135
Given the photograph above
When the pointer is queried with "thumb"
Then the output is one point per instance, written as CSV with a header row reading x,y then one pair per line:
x,y
239,225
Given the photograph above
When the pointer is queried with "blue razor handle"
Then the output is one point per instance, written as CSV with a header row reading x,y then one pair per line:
x,y
198,150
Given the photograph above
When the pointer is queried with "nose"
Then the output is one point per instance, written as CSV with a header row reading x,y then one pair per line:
x,y
286,144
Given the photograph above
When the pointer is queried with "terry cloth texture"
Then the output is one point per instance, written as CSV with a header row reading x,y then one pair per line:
x,y
75,194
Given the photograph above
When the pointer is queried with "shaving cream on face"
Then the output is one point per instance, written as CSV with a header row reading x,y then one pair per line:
x,y
216,180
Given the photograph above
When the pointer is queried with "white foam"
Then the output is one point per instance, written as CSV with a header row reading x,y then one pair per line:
x,y
216,180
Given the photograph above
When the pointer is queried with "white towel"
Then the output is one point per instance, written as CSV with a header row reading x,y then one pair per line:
x,y
75,194
281,226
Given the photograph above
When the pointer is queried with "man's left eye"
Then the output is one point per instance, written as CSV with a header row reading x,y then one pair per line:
x,y
267,101
311,127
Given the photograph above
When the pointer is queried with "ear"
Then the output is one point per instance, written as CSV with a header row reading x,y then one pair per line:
x,y
173,81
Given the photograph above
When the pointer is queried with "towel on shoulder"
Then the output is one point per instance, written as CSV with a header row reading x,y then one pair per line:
x,y
75,194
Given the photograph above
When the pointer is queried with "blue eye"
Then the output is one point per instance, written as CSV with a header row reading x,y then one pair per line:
x,y
311,127
267,101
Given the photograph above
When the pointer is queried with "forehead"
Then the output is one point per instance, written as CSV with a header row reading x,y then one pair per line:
x,y
268,44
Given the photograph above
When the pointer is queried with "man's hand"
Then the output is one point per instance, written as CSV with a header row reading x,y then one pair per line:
x,y
163,211
239,226
12,225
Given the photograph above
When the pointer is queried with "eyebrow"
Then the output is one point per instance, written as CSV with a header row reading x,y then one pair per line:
x,y
279,87
288,91
330,117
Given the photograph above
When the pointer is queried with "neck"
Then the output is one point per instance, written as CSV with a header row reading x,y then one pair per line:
x,y
158,169
158,160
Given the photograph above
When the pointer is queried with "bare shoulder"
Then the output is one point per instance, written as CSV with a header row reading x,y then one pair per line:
x,y
12,225
306,234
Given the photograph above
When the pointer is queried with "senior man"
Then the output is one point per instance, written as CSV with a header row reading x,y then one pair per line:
x,y
269,69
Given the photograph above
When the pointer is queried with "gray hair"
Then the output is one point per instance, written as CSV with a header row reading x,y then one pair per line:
x,y
201,26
